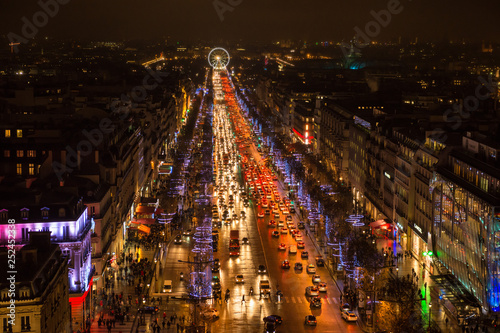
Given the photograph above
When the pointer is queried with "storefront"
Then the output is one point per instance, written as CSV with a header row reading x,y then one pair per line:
x,y
420,249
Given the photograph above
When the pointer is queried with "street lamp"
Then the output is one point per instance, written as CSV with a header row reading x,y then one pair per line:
x,y
430,306
397,272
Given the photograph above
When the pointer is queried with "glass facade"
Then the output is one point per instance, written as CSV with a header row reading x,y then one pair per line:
x,y
467,240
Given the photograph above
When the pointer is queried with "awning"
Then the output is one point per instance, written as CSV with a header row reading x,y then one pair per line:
x,y
144,221
145,209
377,224
143,228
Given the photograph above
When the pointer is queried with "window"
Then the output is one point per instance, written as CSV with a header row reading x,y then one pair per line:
x,y
45,213
25,323
31,169
62,212
6,153
31,153
7,133
4,214
20,153
19,133
19,169
25,233
25,213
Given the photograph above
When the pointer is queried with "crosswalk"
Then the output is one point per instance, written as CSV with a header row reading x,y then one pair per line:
x,y
289,300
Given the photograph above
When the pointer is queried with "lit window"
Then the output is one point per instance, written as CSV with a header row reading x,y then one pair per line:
x,y
6,153
19,133
19,169
20,153
31,169
31,153
7,133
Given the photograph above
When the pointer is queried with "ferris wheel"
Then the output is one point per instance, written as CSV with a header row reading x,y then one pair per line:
x,y
218,58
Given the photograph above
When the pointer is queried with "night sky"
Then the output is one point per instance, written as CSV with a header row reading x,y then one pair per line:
x,y
194,20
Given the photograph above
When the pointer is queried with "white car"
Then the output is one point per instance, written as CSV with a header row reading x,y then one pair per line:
x,y
322,287
349,316
311,269
312,291
210,313
281,224
316,278
260,214
284,230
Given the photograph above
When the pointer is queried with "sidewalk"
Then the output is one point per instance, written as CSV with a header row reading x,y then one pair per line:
x,y
426,284
120,286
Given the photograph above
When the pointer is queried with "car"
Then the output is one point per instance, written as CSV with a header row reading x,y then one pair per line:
x,y
272,224
260,214
275,233
281,224
262,269
269,327
345,307
348,315
322,287
210,313
289,217
150,309
282,247
273,319
301,225
284,230
311,269
244,240
216,286
320,262
187,232
301,245
304,255
178,239
316,278
239,279
298,238
285,264
315,302
298,266
310,320
264,204
277,215
312,291
215,279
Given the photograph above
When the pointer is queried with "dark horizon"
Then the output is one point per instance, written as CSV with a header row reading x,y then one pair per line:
x,y
256,21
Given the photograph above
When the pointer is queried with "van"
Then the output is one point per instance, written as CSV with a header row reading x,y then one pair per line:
x,y
292,249
167,286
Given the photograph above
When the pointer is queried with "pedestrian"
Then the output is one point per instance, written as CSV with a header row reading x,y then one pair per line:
x,y
446,321
168,325
163,323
